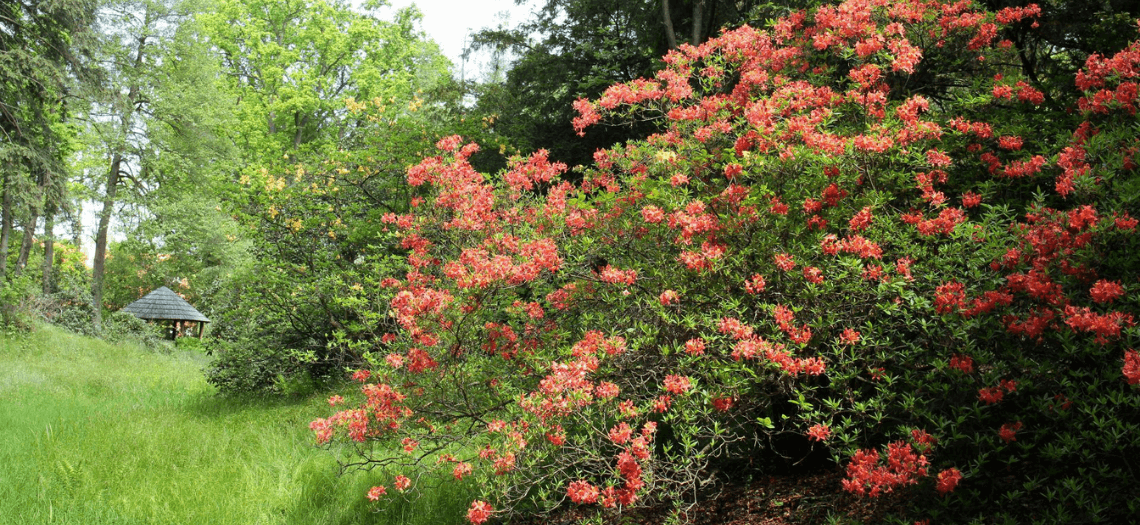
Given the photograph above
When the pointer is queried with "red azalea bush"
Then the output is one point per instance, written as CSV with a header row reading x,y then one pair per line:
x,y
850,236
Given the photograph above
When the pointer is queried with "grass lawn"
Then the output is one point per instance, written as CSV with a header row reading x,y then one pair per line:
x,y
95,433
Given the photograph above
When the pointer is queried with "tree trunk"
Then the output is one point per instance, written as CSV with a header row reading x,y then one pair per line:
x,y
5,226
670,35
26,244
698,21
49,247
98,266
298,122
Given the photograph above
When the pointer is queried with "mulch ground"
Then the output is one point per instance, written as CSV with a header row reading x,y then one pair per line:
x,y
772,500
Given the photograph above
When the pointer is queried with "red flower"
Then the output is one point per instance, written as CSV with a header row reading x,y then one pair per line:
x,y
777,207
409,444
849,336
949,298
652,214
723,404
937,158
733,326
832,195
582,491
964,363
991,395
677,384
479,512
1131,368
402,483
866,477
558,437
621,433
1009,431
1009,142
613,275
948,480
695,346
922,439
1105,291
668,297
375,492
813,274
785,262
862,220
819,432
607,390
812,206
755,284
1126,223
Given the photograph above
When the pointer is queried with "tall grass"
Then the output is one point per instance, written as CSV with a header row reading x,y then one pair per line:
x,y
94,433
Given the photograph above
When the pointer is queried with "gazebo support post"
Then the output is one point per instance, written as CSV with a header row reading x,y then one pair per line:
x,y
201,329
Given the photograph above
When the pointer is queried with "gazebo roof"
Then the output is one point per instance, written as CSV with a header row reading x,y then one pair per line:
x,y
164,304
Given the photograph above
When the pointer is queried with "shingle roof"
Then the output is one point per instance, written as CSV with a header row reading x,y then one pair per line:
x,y
164,304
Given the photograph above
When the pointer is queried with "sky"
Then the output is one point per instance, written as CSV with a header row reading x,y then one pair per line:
x,y
449,22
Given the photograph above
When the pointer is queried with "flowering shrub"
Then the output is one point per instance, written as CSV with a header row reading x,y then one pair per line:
x,y
824,244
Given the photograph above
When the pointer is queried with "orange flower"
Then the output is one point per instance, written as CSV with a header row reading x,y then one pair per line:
x,y
479,512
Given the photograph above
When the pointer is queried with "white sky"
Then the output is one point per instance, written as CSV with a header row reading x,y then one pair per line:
x,y
449,22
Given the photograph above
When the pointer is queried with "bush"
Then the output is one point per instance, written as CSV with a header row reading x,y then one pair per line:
x,y
15,299
73,316
837,245
329,323
242,368
189,344
123,326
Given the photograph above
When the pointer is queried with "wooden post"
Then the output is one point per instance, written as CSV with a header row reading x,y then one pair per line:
x,y
201,329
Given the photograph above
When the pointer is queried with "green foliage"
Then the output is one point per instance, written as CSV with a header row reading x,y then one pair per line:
x,y
318,178
240,367
15,296
122,327
189,344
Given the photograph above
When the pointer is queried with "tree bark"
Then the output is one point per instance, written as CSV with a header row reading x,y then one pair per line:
x,y
698,21
49,247
26,243
670,34
30,226
5,226
99,264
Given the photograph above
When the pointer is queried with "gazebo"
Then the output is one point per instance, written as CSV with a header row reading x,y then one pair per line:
x,y
165,305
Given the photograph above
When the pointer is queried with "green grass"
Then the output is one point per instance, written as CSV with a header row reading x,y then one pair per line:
x,y
95,433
